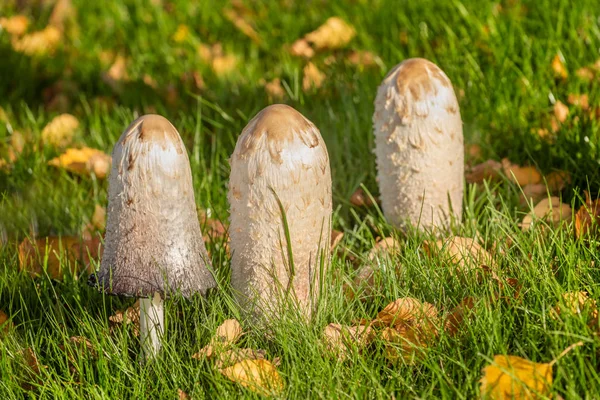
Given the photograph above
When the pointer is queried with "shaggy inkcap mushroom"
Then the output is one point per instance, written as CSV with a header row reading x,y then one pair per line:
x,y
419,146
153,245
280,162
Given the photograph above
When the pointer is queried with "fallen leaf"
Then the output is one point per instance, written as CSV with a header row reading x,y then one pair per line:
x,y
233,356
131,316
474,151
406,310
533,193
181,34
333,34
550,210
577,303
117,73
227,334
38,43
512,377
82,344
558,67
16,25
312,77
579,100
181,395
464,252
260,376
360,199
587,218
520,175
387,245
84,161
301,48
336,238
585,74
341,339
241,24
487,170
224,65
274,89
456,317
72,251
363,58
558,180
62,11
404,342
561,111
5,324
60,131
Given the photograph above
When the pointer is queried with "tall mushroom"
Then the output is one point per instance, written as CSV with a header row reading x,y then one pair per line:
x,y
280,203
153,245
419,146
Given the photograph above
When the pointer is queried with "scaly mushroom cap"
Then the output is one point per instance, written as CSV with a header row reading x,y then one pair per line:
x,y
281,150
153,241
419,146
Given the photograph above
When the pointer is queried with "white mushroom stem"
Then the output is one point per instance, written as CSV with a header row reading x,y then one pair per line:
x,y
152,325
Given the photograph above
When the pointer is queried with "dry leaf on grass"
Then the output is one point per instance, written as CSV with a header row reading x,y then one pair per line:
x,y
60,131
73,251
333,34
63,10
336,238
341,339
558,67
387,245
561,111
520,175
84,161
38,43
587,218
577,303
131,316
117,73
364,59
558,180
5,324
181,395
406,310
513,377
360,199
260,376
274,89
227,334
585,73
301,48
404,342
455,319
312,77
551,210
465,253
15,25
579,100
233,356
487,170
243,25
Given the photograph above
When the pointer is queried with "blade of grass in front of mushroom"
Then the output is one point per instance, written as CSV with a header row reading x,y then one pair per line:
x,y
286,230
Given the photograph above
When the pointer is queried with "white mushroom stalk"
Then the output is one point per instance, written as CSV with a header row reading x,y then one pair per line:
x,y
279,175
153,246
419,147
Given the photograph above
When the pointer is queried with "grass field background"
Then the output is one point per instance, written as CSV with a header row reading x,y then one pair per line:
x,y
499,57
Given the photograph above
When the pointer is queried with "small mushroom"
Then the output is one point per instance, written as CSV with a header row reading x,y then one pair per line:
x,y
153,245
419,146
279,176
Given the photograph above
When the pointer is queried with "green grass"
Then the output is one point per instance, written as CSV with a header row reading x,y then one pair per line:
x,y
499,57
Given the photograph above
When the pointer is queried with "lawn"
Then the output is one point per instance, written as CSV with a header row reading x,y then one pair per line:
x,y
527,77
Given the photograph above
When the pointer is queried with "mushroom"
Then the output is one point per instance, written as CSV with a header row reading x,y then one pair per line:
x,y
280,206
419,146
153,245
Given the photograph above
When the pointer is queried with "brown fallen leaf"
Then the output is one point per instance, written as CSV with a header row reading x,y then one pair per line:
x,y
60,131
533,193
274,89
577,303
551,210
463,252
579,100
72,251
34,367
16,25
227,334
488,170
312,77
405,342
520,175
561,111
233,356
558,180
181,395
38,43
301,48
406,310
5,324
587,218
84,161
362,58
117,73
513,377
558,67
131,316
360,199
335,33
585,74
62,11
473,151
260,376
336,238
78,345
457,316
387,245
242,25
341,339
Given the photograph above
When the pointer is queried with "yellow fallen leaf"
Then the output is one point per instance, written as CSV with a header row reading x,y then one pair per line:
x,y
551,210
579,100
233,356
561,111
406,310
181,34
587,218
243,25
340,339
333,34
224,65
301,48
404,342
312,77
520,175
558,67
260,376
363,58
84,161
274,89
512,377
228,333
577,303
38,43
465,253
15,25
60,131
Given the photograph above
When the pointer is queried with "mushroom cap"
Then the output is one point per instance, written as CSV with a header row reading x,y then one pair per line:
x,y
419,146
153,241
278,151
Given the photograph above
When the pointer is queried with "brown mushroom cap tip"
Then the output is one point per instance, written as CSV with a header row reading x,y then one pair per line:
x,y
419,77
154,128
